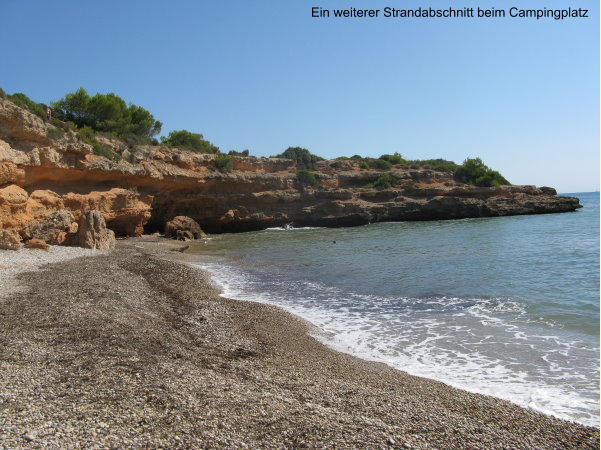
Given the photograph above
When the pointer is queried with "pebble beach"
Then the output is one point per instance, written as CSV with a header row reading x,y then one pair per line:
x,y
136,348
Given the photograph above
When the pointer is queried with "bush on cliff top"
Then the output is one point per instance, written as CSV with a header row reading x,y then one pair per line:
x,y
106,112
474,171
237,153
25,102
393,159
379,164
303,157
189,141
439,164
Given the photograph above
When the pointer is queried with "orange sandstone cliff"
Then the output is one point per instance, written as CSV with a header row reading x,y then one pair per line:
x,y
44,169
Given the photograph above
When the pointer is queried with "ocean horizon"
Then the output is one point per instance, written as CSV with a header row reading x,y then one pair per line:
x,y
505,306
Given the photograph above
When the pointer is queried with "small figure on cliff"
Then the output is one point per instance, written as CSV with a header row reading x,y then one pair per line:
x,y
48,112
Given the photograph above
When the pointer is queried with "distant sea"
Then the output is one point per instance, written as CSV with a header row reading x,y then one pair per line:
x,y
503,306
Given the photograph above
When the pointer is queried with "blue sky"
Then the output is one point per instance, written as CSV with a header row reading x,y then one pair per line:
x,y
265,75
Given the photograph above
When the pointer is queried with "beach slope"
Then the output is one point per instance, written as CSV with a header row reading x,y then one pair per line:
x,y
136,348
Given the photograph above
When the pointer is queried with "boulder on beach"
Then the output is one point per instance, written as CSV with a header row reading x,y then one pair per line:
x,y
183,228
53,229
37,244
93,232
10,240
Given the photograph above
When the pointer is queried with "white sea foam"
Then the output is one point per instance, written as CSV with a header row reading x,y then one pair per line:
x,y
488,346
290,228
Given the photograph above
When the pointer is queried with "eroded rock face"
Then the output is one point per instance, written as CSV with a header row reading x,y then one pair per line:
x,y
93,232
125,210
53,229
10,240
44,170
183,228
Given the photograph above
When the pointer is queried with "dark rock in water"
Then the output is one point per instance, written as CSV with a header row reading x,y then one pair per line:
x,y
183,228
93,232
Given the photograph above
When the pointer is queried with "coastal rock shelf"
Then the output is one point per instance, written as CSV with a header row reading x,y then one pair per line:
x,y
44,169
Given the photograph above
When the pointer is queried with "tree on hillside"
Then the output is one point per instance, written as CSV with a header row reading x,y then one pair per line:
x,y
106,112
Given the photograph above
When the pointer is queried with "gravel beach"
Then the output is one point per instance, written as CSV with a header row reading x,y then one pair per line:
x,y
135,348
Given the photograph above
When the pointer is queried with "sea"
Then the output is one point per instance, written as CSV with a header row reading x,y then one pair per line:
x,y
506,306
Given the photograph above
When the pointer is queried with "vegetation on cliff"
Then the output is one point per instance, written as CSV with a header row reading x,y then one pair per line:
x,y
306,178
474,171
223,163
384,181
108,113
88,135
303,157
25,102
396,158
189,141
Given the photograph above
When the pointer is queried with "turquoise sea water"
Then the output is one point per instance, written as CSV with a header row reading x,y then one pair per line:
x,y
502,306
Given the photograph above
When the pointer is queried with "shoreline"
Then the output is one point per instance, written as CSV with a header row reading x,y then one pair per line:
x,y
133,347
335,344
340,346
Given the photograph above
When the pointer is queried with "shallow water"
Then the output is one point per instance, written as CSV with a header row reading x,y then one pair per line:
x,y
502,306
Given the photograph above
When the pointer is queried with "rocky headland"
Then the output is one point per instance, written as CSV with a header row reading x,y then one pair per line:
x,y
45,169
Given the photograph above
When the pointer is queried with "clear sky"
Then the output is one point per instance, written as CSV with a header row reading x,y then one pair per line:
x,y
264,75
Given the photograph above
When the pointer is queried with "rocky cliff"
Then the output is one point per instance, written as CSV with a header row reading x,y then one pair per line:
x,y
45,168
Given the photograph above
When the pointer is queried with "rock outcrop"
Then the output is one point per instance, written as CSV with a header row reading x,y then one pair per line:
x,y
44,169
183,228
93,233
53,229
10,240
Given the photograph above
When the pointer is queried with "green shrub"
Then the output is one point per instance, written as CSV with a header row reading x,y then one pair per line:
x,y
474,171
25,102
364,165
441,165
106,112
55,133
384,181
88,135
242,153
379,164
3,94
189,141
303,157
65,126
306,178
223,163
393,159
